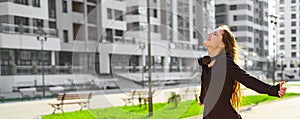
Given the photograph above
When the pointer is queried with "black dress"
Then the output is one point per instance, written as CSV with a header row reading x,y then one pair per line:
x,y
216,92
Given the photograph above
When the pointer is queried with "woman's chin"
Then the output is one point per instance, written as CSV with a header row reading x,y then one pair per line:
x,y
206,44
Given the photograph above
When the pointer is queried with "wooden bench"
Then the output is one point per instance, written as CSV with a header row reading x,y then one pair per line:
x,y
29,93
140,95
82,99
130,98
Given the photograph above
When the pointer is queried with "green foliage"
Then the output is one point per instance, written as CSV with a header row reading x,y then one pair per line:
x,y
70,69
174,98
160,110
34,69
14,69
53,70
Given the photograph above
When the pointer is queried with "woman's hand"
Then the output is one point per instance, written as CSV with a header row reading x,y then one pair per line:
x,y
282,90
200,104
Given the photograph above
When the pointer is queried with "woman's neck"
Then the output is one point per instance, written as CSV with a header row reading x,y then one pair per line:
x,y
214,52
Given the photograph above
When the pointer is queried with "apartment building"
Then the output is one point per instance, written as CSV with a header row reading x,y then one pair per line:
x,y
248,20
90,40
288,43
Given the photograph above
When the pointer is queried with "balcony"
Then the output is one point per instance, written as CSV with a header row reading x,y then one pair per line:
x,y
28,30
37,70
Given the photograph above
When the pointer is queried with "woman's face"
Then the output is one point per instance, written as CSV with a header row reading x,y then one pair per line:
x,y
214,40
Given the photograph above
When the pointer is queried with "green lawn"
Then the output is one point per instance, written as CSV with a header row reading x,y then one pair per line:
x,y
161,110
291,84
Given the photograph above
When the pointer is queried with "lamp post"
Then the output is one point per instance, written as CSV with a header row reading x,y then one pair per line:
x,y
149,61
142,47
273,21
42,38
245,54
282,56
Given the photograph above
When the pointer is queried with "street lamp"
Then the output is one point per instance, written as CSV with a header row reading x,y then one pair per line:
x,y
142,47
42,38
282,56
273,21
245,59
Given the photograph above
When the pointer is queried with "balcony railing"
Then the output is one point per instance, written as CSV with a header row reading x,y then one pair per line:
x,y
133,41
36,70
29,30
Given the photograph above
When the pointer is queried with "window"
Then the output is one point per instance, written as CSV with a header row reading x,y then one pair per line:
x,y
194,9
293,39
52,24
293,31
233,7
38,22
293,16
293,8
65,6
293,1
109,35
281,47
281,39
109,13
118,33
155,28
155,13
281,32
293,23
23,2
293,46
293,54
66,36
234,17
220,8
281,25
21,20
119,15
36,3
281,1
281,9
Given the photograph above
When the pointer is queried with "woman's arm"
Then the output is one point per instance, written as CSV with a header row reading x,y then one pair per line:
x,y
202,94
236,73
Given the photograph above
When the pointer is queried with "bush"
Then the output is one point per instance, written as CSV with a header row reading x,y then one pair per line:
x,y
53,70
14,69
175,98
34,69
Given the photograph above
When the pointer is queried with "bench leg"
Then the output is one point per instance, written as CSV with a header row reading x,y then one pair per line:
x,y
57,107
84,105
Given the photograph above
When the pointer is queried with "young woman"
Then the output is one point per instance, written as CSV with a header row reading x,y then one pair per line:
x,y
221,77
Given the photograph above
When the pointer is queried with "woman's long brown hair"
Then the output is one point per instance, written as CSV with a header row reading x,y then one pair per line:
x,y
231,48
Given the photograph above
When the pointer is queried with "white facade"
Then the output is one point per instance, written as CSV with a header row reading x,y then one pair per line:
x,y
288,42
87,39
249,22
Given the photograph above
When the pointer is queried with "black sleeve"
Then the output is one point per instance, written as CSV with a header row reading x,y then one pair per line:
x,y
202,94
203,91
236,73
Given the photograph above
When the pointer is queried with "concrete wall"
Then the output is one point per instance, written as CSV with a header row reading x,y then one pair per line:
x,y
28,42
8,82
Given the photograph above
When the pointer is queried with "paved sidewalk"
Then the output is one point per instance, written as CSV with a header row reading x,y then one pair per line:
x,y
282,109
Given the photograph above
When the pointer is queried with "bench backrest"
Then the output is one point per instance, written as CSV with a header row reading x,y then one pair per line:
x,y
28,91
73,96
